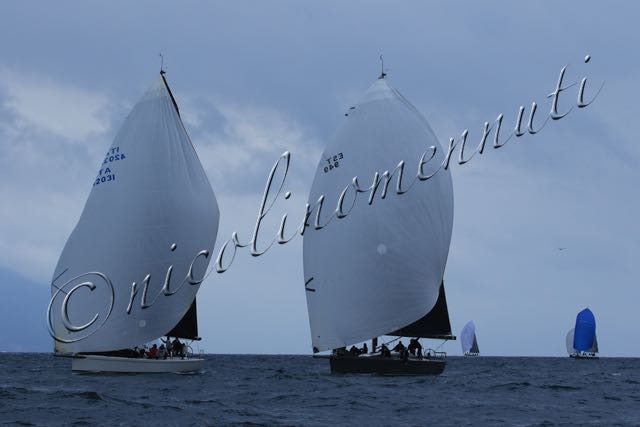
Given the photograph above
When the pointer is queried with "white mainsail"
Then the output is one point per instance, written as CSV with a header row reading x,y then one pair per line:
x,y
468,338
380,268
150,194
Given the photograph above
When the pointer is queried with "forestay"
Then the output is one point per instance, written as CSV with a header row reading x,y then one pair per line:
x,y
150,193
378,269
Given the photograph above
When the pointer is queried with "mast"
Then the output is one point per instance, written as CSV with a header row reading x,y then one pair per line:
x,y
173,100
187,327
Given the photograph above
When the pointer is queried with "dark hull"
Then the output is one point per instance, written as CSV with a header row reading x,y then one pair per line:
x,y
385,366
583,357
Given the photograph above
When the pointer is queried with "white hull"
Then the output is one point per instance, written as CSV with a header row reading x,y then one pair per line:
x,y
92,363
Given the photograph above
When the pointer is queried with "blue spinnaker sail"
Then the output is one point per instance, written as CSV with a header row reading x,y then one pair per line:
x,y
585,332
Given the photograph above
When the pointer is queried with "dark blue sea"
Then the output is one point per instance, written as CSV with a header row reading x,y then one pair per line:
x,y
38,389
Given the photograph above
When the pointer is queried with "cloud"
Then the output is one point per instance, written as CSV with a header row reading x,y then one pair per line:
x,y
64,110
239,153
51,134
51,153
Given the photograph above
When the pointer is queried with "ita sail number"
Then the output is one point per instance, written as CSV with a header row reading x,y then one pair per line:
x,y
106,174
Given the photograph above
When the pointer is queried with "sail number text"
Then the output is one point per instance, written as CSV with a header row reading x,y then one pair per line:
x,y
113,155
106,174
333,162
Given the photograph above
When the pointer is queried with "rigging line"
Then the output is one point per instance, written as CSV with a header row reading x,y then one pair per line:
x,y
440,346
393,340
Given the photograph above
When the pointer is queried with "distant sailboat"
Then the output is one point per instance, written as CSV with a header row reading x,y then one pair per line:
x,y
581,341
469,340
151,218
379,271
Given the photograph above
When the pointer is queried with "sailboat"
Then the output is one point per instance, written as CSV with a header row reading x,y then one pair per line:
x,y
130,270
469,340
582,342
379,271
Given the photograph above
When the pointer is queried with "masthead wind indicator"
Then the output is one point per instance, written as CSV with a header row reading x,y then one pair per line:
x,y
382,73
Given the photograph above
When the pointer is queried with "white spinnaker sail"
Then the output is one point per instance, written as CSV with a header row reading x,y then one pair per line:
x,y
151,192
468,338
380,268
570,349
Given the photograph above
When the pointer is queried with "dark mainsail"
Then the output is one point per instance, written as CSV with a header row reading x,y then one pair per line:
x,y
474,347
435,324
187,327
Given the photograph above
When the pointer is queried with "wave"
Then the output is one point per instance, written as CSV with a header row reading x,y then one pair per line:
x,y
560,387
511,385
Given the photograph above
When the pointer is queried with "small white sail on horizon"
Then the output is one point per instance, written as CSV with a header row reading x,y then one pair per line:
x,y
151,207
468,339
569,342
380,268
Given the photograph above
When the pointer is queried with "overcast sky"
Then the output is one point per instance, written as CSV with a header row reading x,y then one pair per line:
x,y
256,78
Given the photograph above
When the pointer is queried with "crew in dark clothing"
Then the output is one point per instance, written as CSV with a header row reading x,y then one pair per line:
x,y
384,351
415,348
399,347
354,350
177,347
167,345
364,349
404,354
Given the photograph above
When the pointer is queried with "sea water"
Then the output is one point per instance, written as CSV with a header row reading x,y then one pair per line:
x,y
39,389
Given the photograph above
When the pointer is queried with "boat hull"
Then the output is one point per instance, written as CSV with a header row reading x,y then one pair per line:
x,y
385,366
583,356
94,363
